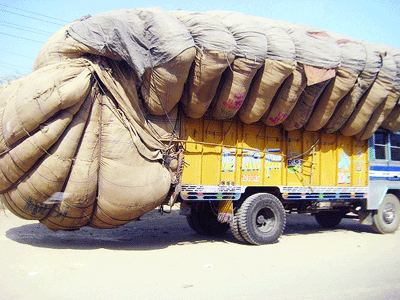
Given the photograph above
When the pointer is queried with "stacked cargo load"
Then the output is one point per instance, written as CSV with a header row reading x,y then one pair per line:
x,y
88,138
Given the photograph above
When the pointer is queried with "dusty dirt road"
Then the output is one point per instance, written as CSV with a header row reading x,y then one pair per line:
x,y
159,257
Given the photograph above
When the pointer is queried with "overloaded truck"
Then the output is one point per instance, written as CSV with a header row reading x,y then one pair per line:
x,y
248,177
241,119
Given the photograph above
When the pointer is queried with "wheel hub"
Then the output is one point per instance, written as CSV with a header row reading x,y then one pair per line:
x,y
264,221
389,213
261,220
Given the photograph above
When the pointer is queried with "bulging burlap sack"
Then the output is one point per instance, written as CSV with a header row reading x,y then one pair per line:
x,y
48,176
371,68
165,127
163,85
287,97
392,121
379,115
251,53
44,93
203,81
304,106
349,102
234,88
266,83
331,96
62,47
378,92
128,185
215,47
79,194
18,160
366,107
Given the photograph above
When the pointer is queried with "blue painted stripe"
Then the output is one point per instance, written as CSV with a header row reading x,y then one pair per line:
x,y
384,168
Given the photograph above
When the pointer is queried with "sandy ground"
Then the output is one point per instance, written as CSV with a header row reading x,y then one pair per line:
x,y
159,257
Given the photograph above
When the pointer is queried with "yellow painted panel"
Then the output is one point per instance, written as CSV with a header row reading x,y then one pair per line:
x,y
328,160
274,157
212,152
310,167
344,161
231,152
229,155
360,163
251,166
193,151
294,142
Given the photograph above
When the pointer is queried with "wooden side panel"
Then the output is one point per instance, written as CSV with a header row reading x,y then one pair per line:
x,y
233,153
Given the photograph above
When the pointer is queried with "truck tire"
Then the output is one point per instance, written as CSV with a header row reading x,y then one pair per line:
x,y
261,219
234,225
329,219
387,218
203,219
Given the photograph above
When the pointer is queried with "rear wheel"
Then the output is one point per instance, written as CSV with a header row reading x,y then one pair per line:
x,y
261,219
329,219
387,218
234,225
203,219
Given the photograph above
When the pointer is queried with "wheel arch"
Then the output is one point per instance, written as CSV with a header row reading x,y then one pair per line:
x,y
395,192
251,190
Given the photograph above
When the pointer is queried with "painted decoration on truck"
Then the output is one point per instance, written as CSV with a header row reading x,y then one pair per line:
x,y
251,160
273,161
251,166
360,162
294,163
228,160
343,168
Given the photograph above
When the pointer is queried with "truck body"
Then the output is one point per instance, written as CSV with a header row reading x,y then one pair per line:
x,y
329,175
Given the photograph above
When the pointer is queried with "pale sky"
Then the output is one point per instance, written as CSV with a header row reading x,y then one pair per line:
x,y
25,25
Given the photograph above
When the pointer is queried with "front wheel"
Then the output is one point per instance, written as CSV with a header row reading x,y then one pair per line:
x,y
261,219
387,218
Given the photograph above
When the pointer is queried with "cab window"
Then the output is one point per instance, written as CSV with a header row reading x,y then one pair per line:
x,y
395,147
380,142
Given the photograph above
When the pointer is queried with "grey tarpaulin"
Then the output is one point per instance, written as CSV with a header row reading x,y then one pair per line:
x,y
250,38
207,32
144,38
280,45
396,57
314,46
353,55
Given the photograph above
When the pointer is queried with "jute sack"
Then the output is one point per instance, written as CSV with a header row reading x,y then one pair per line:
x,y
331,96
266,83
234,88
44,93
7,91
369,102
62,47
165,127
48,176
18,160
28,209
163,85
346,106
379,115
392,121
203,81
79,194
287,97
304,106
128,185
